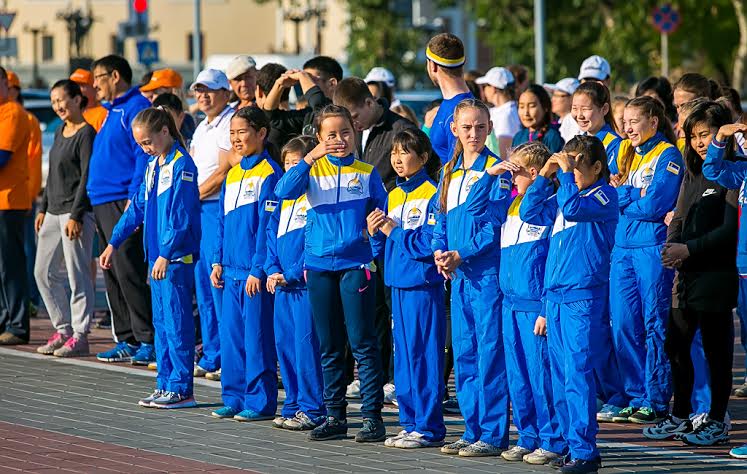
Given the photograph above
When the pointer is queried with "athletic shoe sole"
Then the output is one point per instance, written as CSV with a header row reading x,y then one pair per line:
x,y
738,456
141,362
670,436
371,440
188,403
644,422
221,417
114,359
259,418
329,438
145,404
715,443
619,419
470,454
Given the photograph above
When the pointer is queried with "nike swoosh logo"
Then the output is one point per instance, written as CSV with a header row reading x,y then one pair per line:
x,y
361,290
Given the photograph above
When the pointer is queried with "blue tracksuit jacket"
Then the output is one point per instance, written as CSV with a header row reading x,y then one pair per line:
x,y
611,141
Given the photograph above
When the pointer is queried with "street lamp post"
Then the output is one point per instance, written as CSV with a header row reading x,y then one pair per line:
x,y
35,32
197,39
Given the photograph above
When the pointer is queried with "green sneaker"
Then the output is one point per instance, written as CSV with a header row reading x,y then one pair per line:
x,y
645,416
225,412
623,415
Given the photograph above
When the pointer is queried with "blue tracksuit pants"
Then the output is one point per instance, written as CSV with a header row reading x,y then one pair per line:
x,y
742,313
640,298
297,347
209,299
343,304
610,388
247,343
530,386
573,339
701,398
419,333
479,362
174,327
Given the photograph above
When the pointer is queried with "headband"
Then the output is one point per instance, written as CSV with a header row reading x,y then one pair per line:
x,y
448,63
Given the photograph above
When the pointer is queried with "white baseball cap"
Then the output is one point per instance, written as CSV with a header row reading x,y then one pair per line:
x,y
567,85
594,67
239,65
498,77
212,79
380,74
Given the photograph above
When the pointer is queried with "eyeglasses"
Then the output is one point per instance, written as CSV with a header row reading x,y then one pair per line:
x,y
99,76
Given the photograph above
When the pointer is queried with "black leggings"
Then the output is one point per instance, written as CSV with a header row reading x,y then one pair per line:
x,y
717,331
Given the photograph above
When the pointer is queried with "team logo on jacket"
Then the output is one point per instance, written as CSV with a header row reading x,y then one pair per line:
x,y
534,230
413,217
354,186
470,183
300,216
249,192
647,175
165,176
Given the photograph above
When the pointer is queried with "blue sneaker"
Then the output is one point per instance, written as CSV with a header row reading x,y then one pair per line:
x,y
145,355
251,415
225,412
739,452
122,352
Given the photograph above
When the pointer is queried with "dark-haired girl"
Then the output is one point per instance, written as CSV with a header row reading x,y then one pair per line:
x,y
247,344
167,206
535,113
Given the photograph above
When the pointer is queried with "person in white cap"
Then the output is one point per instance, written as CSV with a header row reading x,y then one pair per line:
x,y
595,68
381,83
242,75
562,96
211,152
499,91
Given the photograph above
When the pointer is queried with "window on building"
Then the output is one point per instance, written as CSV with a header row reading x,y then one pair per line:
x,y
47,47
190,52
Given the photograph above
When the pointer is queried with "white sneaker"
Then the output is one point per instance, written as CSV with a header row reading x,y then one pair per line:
x,y
416,440
353,390
390,394
515,454
540,456
390,442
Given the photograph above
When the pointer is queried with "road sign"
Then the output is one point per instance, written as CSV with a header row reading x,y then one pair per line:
x,y
6,19
147,52
666,19
9,47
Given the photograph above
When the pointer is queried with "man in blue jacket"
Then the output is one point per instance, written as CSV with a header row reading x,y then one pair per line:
x,y
114,175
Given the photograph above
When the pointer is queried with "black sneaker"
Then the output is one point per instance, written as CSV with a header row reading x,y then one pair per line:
x,y
559,461
668,428
581,466
332,428
645,416
372,432
709,433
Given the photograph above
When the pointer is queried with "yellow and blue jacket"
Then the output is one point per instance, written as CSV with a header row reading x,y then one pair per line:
x,y
247,199
341,193
658,168
285,241
167,205
471,224
524,249
611,142
408,260
582,236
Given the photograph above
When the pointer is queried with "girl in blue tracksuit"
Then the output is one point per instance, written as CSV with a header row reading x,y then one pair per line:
x,y
167,206
592,110
403,233
296,342
524,249
466,249
583,215
247,344
650,172
341,191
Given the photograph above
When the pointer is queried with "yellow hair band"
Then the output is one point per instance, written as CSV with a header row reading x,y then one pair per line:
x,y
450,63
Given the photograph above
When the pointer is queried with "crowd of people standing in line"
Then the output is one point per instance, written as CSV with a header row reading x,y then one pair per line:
x,y
578,255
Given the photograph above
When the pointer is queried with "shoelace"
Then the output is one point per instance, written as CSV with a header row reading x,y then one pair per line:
x,y
54,337
70,343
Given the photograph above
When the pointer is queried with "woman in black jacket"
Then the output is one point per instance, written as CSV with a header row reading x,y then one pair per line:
x,y
701,244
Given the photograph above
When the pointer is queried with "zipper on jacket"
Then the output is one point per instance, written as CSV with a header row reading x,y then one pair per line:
x,y
337,202
293,207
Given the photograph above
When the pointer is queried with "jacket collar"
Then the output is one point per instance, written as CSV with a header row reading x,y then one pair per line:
x,y
409,185
134,91
341,161
604,131
172,153
650,144
480,162
249,162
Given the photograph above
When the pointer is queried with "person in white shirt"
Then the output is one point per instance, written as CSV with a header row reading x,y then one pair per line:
x,y
381,83
562,95
498,88
211,152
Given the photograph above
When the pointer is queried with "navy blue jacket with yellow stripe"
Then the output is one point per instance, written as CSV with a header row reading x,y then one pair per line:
x,y
471,223
658,168
341,191
583,227
167,205
247,199
408,259
285,242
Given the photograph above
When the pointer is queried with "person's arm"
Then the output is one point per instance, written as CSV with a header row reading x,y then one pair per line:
x,y
599,206
723,236
674,230
131,219
539,206
272,261
185,203
15,126
726,173
316,98
274,97
295,182
141,160
214,182
81,204
661,194
268,202
489,223
416,243
217,257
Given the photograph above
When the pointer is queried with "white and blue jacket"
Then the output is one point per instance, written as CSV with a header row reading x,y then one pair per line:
x,y
611,142
286,233
167,205
583,226
341,193
247,199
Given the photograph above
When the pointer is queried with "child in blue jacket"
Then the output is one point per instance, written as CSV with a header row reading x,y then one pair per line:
x,y
405,232
247,344
341,191
466,249
296,342
167,206
583,215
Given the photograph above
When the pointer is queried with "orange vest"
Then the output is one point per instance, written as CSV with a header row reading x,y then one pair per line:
x,y
35,157
14,137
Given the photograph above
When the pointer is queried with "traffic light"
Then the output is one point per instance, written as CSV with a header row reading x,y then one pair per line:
x,y
140,6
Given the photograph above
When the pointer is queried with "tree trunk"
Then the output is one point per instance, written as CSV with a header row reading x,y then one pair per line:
x,y
740,60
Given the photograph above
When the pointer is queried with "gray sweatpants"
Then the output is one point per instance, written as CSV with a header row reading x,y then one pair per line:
x,y
63,274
